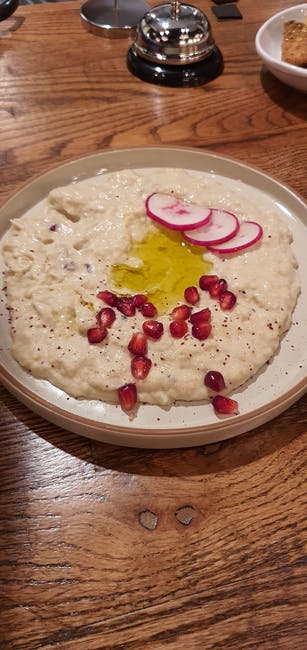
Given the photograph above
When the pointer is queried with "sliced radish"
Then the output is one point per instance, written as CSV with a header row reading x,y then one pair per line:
x,y
222,226
174,213
249,233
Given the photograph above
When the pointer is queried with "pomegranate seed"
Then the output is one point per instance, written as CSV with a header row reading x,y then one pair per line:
x,y
200,316
178,328
139,299
214,380
227,300
214,289
153,328
126,306
205,281
223,285
138,344
148,309
225,405
105,317
96,334
182,312
140,367
127,396
217,288
191,295
108,297
54,227
201,330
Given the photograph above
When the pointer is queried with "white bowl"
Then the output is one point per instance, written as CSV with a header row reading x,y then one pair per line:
x,y
268,46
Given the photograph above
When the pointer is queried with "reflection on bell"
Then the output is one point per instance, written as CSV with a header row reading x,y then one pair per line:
x,y
174,46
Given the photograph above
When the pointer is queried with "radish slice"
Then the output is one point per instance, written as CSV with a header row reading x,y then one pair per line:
x,y
176,214
249,233
222,226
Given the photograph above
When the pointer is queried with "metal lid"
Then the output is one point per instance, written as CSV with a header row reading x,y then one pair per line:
x,y
174,34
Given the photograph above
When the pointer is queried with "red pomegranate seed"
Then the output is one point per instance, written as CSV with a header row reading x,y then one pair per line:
x,y
191,295
223,285
139,299
214,290
178,328
227,300
96,334
214,380
182,312
200,316
53,227
205,281
127,396
138,344
148,309
105,317
225,405
140,367
126,306
108,297
201,330
153,328
217,288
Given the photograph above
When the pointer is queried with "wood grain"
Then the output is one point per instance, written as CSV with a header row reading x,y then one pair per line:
x,y
106,548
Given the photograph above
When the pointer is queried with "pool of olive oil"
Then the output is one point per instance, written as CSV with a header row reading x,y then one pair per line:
x,y
168,264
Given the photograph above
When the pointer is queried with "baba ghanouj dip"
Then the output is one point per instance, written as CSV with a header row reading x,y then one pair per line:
x,y
149,286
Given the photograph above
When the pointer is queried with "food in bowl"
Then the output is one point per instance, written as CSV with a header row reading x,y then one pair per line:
x,y
108,301
294,43
268,43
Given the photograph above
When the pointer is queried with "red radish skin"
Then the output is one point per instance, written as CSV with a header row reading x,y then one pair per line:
x,y
176,214
250,232
222,226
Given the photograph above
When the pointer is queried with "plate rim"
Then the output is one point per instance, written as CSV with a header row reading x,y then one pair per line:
x,y
291,395
124,434
115,151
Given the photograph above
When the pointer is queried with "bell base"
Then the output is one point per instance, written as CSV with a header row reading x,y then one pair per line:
x,y
177,76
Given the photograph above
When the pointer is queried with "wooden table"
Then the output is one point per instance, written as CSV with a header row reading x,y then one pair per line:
x,y
112,548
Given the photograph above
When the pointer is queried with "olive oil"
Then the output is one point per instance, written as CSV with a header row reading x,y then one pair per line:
x,y
168,265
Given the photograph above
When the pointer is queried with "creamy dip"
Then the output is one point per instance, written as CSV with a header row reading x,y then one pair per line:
x,y
60,255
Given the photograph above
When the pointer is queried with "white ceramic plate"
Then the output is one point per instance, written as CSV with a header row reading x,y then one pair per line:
x,y
273,390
